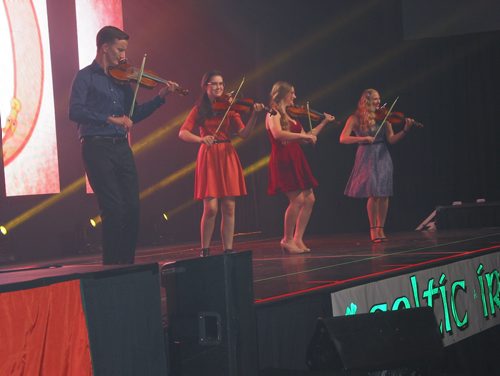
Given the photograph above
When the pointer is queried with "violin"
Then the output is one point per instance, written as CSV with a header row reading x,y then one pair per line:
x,y
242,105
394,117
297,112
125,72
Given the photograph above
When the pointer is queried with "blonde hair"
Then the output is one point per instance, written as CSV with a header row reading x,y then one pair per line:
x,y
365,111
278,92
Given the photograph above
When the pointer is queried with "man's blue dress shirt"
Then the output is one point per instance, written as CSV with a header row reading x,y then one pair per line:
x,y
96,96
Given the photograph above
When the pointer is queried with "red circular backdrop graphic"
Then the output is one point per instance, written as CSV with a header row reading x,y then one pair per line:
x,y
28,77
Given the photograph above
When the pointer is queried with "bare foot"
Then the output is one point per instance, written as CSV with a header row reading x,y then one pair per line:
x,y
381,234
374,235
290,247
302,246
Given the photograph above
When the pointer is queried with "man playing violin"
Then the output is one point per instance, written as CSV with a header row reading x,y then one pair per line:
x,y
100,107
218,175
371,176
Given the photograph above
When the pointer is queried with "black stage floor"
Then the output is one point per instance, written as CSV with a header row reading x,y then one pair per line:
x,y
344,259
337,260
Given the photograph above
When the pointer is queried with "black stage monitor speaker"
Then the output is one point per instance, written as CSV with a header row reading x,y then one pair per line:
x,y
468,215
210,316
377,341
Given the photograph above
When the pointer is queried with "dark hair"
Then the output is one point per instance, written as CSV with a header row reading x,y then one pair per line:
x,y
204,105
108,34
207,77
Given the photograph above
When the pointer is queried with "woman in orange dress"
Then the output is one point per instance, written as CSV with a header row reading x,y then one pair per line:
x,y
218,176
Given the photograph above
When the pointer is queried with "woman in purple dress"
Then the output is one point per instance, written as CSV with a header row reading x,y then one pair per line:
x,y
371,176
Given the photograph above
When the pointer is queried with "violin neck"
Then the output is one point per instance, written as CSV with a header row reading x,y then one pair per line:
x,y
154,78
322,116
178,90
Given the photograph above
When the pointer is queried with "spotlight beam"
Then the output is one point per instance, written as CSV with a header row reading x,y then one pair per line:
x,y
72,188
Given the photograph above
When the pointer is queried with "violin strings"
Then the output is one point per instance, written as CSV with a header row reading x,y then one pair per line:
x,y
131,112
229,107
386,116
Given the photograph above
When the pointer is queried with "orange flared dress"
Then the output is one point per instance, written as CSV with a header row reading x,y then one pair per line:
x,y
218,169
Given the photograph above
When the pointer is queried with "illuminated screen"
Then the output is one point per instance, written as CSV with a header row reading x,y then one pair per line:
x,y
29,142
91,16
27,100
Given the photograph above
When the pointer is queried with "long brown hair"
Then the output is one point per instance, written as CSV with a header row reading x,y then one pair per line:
x,y
364,112
204,104
279,91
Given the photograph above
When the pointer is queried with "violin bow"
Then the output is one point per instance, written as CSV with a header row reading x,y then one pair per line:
x,y
139,78
386,116
229,107
309,116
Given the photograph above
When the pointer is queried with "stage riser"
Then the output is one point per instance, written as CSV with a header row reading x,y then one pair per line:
x,y
121,325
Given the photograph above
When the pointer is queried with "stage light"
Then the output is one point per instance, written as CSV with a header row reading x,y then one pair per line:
x,y
157,230
95,221
3,230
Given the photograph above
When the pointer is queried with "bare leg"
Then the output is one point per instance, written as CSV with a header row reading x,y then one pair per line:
x,y
372,208
303,218
228,205
210,206
296,201
383,207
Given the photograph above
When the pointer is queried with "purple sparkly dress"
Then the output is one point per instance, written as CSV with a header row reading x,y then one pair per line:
x,y
371,175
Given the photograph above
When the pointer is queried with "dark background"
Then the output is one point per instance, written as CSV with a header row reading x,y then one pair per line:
x,y
330,51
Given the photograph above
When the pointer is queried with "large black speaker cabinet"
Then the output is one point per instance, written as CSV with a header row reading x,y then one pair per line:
x,y
472,215
210,316
378,341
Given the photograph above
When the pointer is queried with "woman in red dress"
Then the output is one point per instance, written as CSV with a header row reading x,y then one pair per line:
x,y
289,171
218,175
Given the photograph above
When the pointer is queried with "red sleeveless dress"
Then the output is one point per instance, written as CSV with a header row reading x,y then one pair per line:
x,y
288,167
